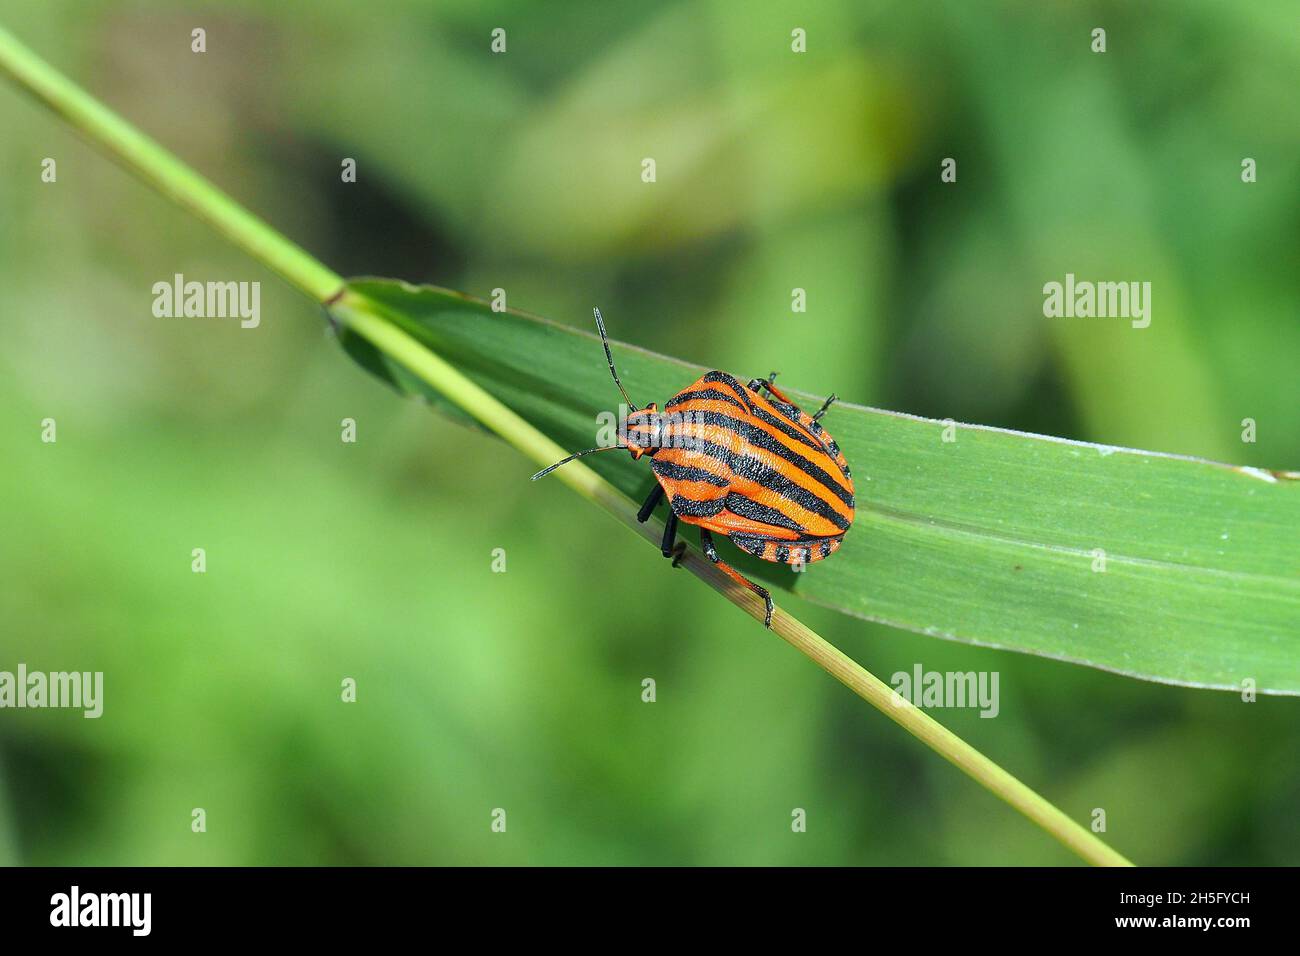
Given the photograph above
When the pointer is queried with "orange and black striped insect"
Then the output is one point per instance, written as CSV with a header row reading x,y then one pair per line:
x,y
743,461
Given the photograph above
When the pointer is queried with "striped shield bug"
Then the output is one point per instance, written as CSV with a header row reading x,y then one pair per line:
x,y
742,461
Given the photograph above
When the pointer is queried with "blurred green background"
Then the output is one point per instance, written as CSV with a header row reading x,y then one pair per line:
x,y
522,690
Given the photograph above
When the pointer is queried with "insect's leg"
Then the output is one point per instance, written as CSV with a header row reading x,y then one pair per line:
x,y
772,390
651,502
822,411
670,536
706,542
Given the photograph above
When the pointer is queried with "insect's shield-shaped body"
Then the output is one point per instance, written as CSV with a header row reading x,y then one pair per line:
x,y
742,461
756,469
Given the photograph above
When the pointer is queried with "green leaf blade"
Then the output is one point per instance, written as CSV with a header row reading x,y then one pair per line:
x,y
993,537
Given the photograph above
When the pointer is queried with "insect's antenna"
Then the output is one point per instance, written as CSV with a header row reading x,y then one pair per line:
x,y
604,340
578,454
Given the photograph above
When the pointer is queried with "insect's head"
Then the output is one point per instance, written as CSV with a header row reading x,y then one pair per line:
x,y
641,431
641,425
